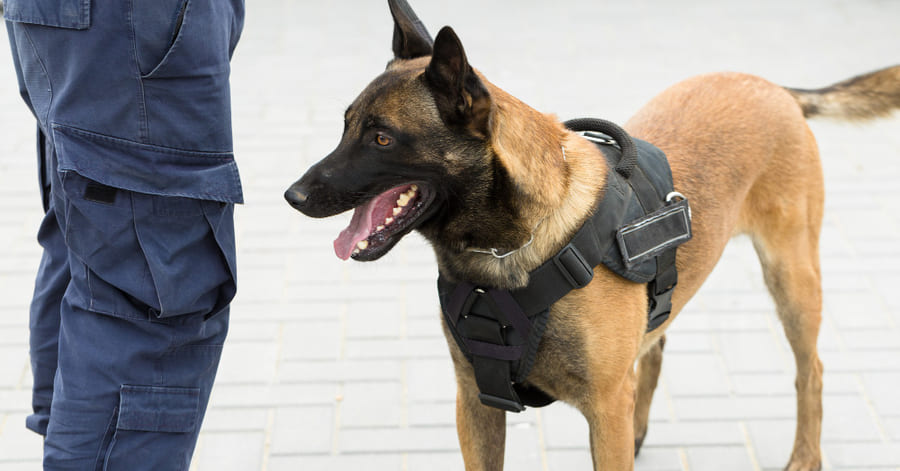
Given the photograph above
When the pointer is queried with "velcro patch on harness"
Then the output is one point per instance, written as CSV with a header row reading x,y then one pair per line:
x,y
655,233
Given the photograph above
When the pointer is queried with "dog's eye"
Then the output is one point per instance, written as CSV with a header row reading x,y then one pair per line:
x,y
383,140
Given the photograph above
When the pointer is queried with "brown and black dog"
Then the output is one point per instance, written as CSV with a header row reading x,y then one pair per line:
x,y
431,145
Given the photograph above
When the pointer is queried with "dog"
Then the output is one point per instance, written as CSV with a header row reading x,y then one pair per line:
x,y
431,145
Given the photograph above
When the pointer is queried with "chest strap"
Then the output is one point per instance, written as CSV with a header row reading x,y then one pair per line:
x,y
634,231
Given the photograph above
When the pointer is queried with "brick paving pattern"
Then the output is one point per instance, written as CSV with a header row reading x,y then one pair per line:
x,y
336,365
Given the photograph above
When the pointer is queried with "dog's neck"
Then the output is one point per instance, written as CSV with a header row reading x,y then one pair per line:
x,y
556,178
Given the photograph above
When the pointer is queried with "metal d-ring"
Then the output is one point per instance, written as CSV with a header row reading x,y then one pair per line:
x,y
674,194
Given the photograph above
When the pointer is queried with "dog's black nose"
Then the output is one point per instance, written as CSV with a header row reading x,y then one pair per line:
x,y
296,196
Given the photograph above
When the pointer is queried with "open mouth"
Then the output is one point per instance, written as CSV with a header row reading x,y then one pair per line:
x,y
377,225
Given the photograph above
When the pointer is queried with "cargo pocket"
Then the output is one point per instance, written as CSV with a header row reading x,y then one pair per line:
x,y
146,256
188,245
154,428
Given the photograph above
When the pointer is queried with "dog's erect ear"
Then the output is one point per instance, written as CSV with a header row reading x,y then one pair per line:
x,y
461,97
411,39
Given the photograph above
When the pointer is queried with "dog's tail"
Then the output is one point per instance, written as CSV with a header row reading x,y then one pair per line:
x,y
867,96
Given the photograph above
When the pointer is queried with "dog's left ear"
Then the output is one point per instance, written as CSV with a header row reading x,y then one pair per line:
x,y
411,39
461,97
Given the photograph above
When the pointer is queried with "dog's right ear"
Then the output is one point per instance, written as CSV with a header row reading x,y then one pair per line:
x,y
411,39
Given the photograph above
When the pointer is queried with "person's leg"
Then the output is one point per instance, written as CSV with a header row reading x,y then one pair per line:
x,y
132,385
130,395
52,280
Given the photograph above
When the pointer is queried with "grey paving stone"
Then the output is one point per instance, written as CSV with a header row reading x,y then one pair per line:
x,y
303,430
694,374
387,462
561,460
16,443
253,395
689,342
565,428
335,371
882,391
709,433
862,455
734,408
432,413
245,451
857,311
392,440
434,461
14,366
772,440
431,380
755,351
372,404
848,418
15,400
523,448
221,419
375,319
392,349
248,363
319,340
734,458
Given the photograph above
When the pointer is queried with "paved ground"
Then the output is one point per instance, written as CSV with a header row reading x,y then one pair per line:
x,y
338,366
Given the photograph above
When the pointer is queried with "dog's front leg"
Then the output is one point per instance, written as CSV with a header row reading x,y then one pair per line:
x,y
481,429
610,415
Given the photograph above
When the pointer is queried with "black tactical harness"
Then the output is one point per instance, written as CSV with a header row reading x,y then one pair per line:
x,y
634,231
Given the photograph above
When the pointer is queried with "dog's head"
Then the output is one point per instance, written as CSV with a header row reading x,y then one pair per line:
x,y
394,163
431,145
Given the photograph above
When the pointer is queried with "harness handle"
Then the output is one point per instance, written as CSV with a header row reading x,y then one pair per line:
x,y
626,164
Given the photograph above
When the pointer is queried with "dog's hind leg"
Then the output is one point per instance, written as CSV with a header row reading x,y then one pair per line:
x,y
792,275
788,250
647,376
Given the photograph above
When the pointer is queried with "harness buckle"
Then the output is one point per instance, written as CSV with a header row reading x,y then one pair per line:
x,y
500,403
573,266
661,304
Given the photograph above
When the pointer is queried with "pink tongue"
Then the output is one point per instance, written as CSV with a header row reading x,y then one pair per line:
x,y
357,230
365,219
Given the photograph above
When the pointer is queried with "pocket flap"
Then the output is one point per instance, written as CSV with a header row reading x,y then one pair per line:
x,y
158,409
73,14
149,169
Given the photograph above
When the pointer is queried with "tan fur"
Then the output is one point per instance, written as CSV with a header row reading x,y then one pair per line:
x,y
742,153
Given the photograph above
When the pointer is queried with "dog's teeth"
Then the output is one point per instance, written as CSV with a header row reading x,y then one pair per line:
x,y
356,252
397,211
414,188
388,221
379,228
403,199
363,245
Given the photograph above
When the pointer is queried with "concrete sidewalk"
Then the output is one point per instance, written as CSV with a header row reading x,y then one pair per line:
x,y
336,365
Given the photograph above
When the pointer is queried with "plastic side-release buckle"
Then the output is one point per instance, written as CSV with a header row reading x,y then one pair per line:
x,y
573,266
500,403
661,305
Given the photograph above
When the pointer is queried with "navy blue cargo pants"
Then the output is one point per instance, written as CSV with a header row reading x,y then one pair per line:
x,y
130,306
